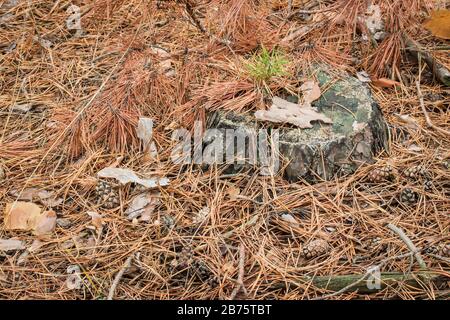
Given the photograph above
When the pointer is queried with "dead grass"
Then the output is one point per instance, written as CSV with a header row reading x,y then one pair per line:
x,y
88,93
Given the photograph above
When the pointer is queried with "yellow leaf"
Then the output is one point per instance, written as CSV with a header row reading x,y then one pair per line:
x,y
439,24
21,215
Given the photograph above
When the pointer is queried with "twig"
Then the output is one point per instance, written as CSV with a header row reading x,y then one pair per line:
x,y
436,256
425,112
440,71
240,279
409,244
363,277
289,7
202,29
119,275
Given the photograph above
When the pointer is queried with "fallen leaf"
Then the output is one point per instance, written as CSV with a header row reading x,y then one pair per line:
x,y
23,108
97,219
233,192
289,218
21,215
145,133
373,19
363,76
26,194
165,65
143,206
125,176
408,120
35,246
283,111
311,91
385,83
47,198
11,244
201,216
46,223
228,268
439,24
414,148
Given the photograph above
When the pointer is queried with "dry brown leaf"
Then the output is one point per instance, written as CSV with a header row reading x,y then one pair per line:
x,y
233,192
439,24
228,268
125,176
97,219
283,111
143,205
21,215
385,83
11,244
311,91
45,224
47,198
289,218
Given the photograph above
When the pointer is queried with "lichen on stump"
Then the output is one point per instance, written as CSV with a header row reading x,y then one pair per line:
x,y
357,134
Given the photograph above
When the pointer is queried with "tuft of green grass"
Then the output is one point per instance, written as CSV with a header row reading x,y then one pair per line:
x,y
266,64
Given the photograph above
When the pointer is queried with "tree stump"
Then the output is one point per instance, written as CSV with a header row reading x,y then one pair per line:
x,y
357,134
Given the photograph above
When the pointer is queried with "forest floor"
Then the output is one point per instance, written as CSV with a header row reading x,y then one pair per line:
x,y
77,79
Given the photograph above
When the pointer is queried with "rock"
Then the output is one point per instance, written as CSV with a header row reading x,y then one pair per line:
x,y
357,134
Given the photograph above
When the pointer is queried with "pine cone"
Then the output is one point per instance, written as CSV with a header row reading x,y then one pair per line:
x,y
408,196
381,174
415,172
374,245
316,248
201,270
446,164
107,196
441,249
185,258
428,185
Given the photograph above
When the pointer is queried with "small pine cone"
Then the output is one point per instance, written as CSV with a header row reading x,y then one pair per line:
x,y
428,185
167,221
201,270
381,174
441,249
185,258
415,172
408,196
106,195
316,248
446,164
445,250
374,245
431,249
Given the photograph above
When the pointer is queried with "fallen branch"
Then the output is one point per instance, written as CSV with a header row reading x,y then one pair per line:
x,y
409,244
439,70
119,275
355,282
240,279
425,112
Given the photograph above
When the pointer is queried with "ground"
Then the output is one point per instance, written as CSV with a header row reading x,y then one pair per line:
x,y
78,77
